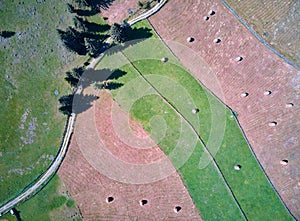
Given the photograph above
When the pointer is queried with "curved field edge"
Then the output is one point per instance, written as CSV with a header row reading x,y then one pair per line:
x,y
275,22
249,185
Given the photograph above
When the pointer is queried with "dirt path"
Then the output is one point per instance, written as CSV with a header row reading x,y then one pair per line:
x,y
259,71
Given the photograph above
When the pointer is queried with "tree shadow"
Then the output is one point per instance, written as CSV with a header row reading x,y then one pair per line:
x,y
76,103
16,213
139,33
117,74
7,34
81,12
94,27
132,36
73,40
93,36
82,41
92,76
107,79
86,26
135,36
95,7
101,79
93,46
72,80
99,4
72,77
108,85
82,103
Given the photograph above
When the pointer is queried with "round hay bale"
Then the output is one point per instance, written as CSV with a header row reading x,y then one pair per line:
x,y
289,105
273,124
56,92
195,110
177,209
237,167
110,199
211,12
244,94
217,40
143,202
237,59
205,18
190,39
164,59
284,162
267,93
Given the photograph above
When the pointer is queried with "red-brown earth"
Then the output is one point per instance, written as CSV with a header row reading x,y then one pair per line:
x,y
90,188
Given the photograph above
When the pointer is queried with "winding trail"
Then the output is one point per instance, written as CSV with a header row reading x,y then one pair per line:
x,y
46,177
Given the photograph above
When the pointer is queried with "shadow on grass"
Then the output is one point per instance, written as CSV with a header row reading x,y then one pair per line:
x,y
93,36
108,85
134,36
73,40
113,85
94,7
116,74
72,77
86,26
7,34
94,27
16,213
81,12
82,103
99,4
101,79
76,103
139,33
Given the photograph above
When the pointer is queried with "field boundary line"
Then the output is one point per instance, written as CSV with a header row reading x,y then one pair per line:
x,y
236,119
240,19
198,138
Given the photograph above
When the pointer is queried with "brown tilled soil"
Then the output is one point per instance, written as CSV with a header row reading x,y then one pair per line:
x,y
275,21
90,189
260,70
118,11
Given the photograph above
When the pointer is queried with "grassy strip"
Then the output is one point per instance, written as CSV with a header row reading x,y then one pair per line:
x,y
205,185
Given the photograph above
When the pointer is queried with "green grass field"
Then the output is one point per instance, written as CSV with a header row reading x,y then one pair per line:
x,y
153,99
52,198
33,63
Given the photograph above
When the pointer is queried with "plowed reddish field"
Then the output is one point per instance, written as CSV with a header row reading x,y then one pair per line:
x,y
90,189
